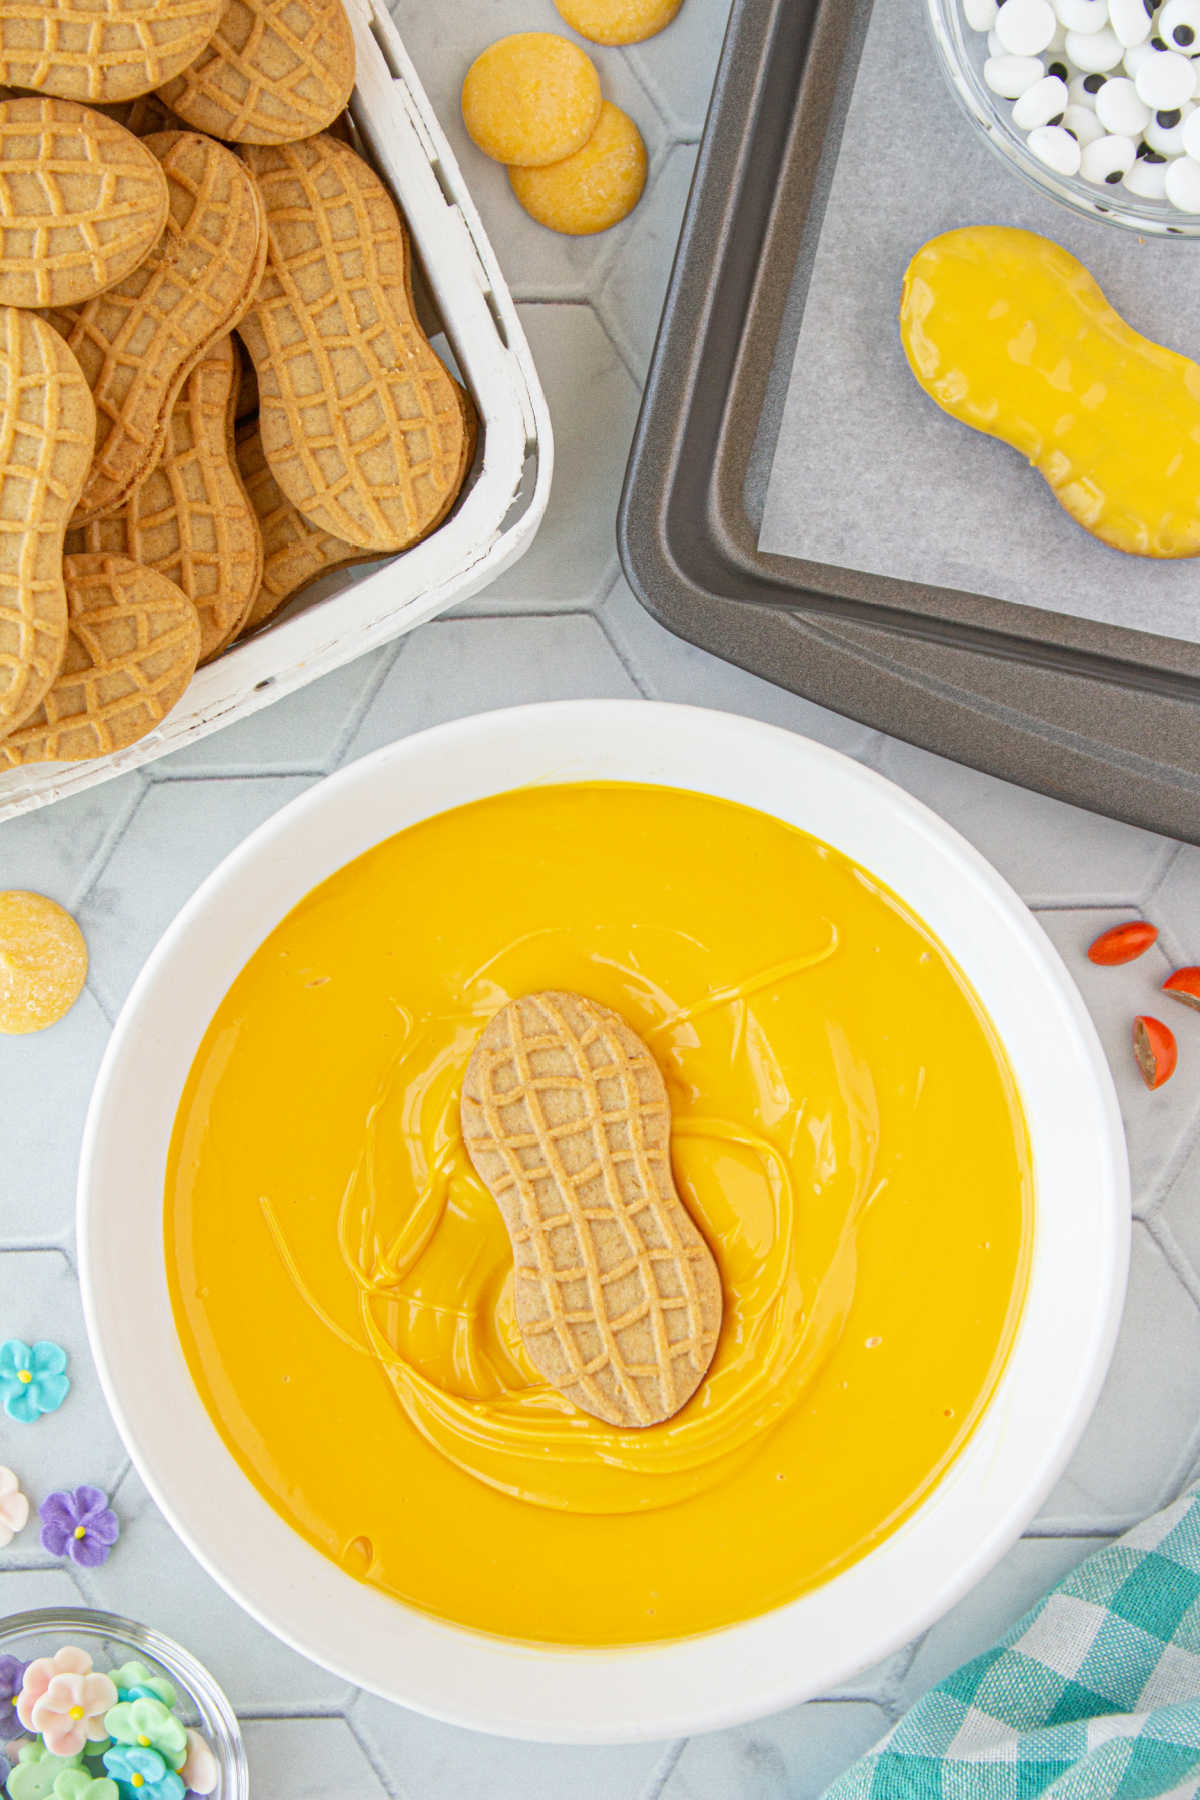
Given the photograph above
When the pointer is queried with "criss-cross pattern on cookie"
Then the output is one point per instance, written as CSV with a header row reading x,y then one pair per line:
x,y
270,71
361,424
131,649
101,49
633,1173
191,518
88,207
45,446
139,339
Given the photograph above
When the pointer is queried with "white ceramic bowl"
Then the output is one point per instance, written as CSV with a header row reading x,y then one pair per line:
x,y
991,1492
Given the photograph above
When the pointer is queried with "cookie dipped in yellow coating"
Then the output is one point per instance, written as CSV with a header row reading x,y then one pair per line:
x,y
1009,333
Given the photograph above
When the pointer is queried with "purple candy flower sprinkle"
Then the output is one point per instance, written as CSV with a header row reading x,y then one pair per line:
x,y
79,1525
12,1674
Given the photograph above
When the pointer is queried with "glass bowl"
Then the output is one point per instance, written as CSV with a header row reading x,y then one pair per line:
x,y
111,1641
962,53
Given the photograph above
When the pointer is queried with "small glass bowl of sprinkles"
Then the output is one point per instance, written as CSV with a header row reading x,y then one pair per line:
x,y
1097,102
117,1645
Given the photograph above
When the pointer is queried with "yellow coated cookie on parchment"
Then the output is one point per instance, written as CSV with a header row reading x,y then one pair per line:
x,y
43,962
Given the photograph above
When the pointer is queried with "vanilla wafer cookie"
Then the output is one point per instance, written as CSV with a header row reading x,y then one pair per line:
x,y
566,1119
101,49
137,341
47,429
363,427
131,651
82,202
275,70
295,552
191,519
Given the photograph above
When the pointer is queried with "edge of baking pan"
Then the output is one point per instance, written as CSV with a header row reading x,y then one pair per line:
x,y
501,508
1106,719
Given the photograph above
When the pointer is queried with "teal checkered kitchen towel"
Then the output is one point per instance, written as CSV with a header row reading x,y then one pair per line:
x,y
1094,1695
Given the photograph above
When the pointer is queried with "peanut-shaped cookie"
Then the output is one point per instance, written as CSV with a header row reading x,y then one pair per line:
x,y
1006,331
137,342
101,49
566,1118
82,202
364,429
47,429
191,519
131,651
295,552
275,70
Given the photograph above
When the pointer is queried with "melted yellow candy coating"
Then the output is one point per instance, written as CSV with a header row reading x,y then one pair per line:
x,y
597,187
43,962
846,1133
1011,334
531,98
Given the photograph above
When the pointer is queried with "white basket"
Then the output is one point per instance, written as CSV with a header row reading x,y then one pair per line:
x,y
501,507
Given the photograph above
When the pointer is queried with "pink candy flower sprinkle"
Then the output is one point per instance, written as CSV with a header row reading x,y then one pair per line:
x,y
63,1699
14,1508
199,1771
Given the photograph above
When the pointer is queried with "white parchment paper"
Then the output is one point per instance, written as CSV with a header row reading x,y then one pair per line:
x,y
868,473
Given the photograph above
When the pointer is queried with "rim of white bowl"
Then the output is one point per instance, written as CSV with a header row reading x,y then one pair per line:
x,y
1022,1443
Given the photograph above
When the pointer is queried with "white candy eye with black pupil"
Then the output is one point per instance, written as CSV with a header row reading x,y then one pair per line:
x,y
1106,90
1178,25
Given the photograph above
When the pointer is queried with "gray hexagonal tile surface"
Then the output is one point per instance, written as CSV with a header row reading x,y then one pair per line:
x,y
563,623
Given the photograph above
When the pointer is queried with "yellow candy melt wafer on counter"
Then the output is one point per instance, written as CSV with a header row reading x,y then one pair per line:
x,y
531,99
618,21
597,187
43,962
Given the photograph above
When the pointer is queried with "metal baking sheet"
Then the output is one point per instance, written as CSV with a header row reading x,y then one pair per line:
x,y
1105,717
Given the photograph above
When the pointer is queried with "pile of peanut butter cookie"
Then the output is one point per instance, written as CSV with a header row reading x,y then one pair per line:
x,y
213,384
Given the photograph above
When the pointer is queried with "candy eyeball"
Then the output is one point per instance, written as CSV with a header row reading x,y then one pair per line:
x,y
1056,148
1178,24
1130,21
1083,125
1025,27
1042,104
1119,108
1082,15
1181,183
1095,52
1165,80
1148,177
1108,90
1011,76
1164,133
1107,159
